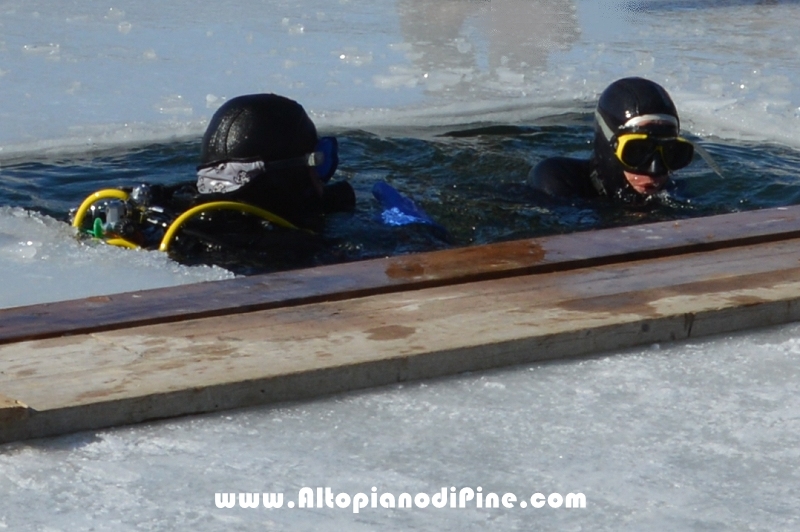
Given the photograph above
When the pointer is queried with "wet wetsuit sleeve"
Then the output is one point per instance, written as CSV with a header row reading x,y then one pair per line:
x,y
562,177
338,197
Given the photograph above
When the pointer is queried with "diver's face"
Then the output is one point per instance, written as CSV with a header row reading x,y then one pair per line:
x,y
646,184
652,176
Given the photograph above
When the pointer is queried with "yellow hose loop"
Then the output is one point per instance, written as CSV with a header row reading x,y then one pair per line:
x,y
108,193
121,242
216,206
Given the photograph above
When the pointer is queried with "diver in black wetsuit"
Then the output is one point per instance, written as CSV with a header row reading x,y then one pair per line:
x,y
259,199
261,155
263,149
636,147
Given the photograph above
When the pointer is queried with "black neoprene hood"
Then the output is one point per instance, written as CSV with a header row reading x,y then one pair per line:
x,y
631,97
621,101
267,127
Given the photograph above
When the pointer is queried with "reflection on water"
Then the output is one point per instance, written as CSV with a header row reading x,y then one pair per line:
x,y
458,42
671,5
471,181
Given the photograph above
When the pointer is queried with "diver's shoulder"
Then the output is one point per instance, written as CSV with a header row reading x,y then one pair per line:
x,y
562,177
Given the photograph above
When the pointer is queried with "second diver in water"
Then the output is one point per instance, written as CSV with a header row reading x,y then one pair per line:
x,y
637,145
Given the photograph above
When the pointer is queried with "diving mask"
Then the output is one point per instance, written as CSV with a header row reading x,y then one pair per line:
x,y
227,176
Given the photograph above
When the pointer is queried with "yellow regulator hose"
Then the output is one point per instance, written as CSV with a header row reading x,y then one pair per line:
x,y
217,206
108,193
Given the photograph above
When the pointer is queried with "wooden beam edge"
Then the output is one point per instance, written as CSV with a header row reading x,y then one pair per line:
x,y
403,273
326,381
12,410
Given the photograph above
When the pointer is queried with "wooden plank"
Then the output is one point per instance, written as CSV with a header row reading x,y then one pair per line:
x,y
346,281
130,375
12,410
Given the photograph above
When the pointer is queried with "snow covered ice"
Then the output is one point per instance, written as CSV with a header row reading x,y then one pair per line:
x,y
687,436
38,254
696,436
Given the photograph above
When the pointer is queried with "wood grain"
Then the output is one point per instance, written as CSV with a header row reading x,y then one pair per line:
x,y
397,274
133,374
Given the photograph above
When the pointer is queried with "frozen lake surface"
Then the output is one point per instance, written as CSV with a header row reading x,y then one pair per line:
x,y
687,436
83,76
695,436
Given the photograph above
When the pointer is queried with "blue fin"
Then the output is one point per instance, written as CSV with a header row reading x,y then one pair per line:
x,y
399,210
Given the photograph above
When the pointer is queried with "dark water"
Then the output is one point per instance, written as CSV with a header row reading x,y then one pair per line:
x,y
472,181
